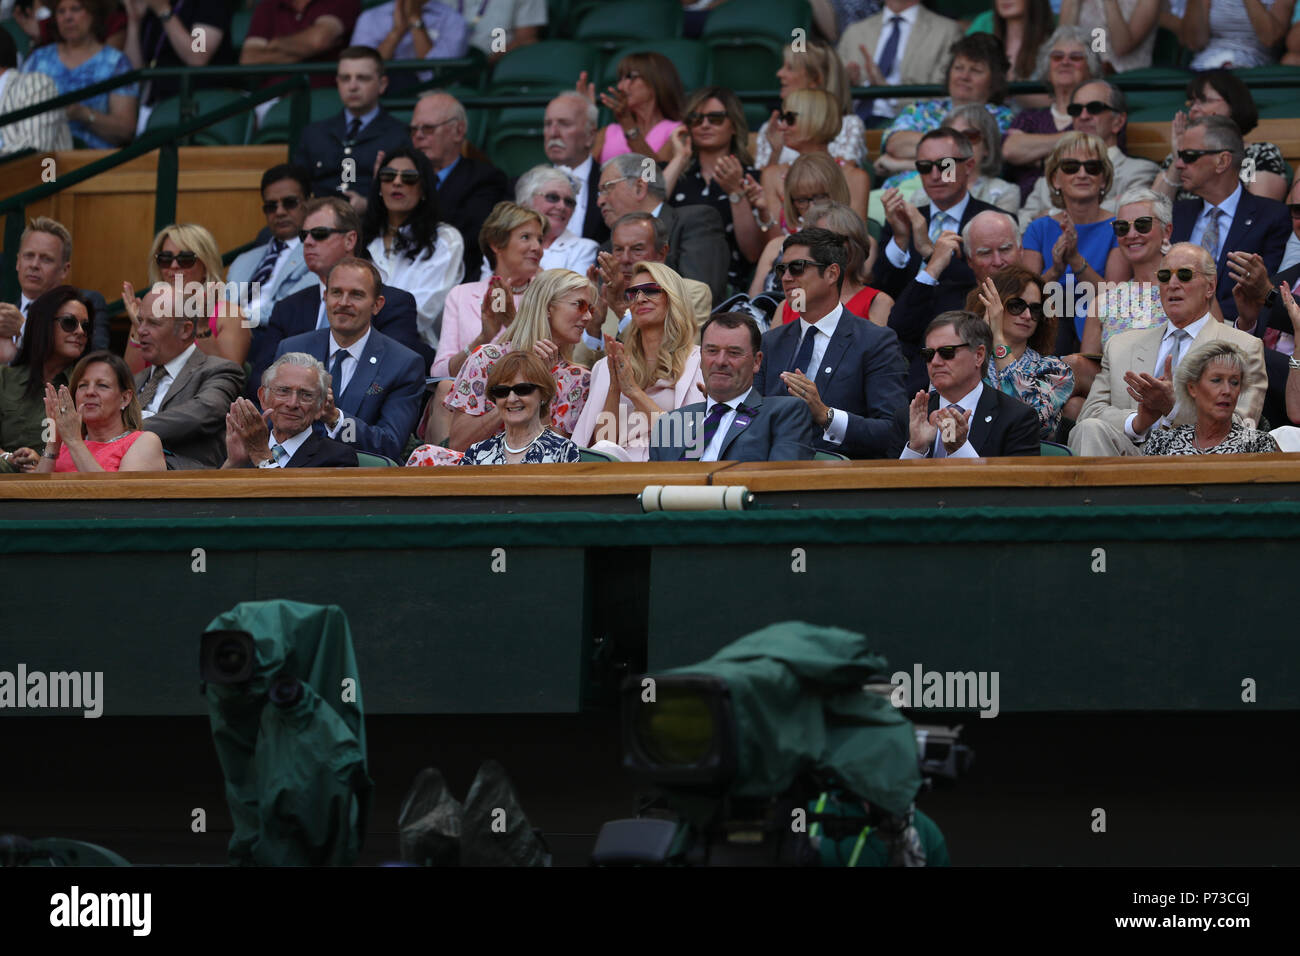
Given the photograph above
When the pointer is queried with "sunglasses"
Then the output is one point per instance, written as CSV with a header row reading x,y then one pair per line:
x,y
1184,274
1094,108
319,233
1189,156
582,305
788,117
408,176
427,129
522,389
796,268
1017,306
290,203
923,166
1092,167
716,118
70,323
556,197
802,202
648,290
1142,224
945,352
1295,209
182,259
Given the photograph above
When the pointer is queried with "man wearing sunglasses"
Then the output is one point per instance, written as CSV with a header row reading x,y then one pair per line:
x,y
277,267
1225,217
340,152
1134,393
1098,108
849,371
959,417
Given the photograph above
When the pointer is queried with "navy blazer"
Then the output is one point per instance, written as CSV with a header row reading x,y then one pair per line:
x,y
296,315
321,451
890,280
861,374
465,199
593,222
384,393
1260,225
1002,426
775,429
324,145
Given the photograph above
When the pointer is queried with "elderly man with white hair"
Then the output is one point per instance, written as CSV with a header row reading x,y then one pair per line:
x,y
568,134
551,192
1134,391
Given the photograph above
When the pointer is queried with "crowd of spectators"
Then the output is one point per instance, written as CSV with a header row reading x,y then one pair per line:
x,y
1002,273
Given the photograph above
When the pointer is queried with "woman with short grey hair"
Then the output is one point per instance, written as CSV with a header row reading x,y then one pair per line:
x,y
1208,380
551,192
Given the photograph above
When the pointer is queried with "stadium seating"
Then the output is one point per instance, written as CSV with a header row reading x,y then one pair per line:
x,y
611,25
748,40
691,57
546,67
230,132
275,126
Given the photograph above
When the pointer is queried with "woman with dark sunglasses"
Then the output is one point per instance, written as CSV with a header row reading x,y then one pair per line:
x,y
1143,227
406,239
55,336
550,191
523,391
1011,300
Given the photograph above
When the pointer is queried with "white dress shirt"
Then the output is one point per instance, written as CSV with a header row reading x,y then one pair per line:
x,y
1166,349
883,107
23,304
581,176
355,351
290,446
173,369
898,256
826,327
1292,255
968,403
714,448
1229,210
427,279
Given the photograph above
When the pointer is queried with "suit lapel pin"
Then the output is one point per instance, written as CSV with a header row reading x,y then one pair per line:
x,y
373,360
988,418
827,370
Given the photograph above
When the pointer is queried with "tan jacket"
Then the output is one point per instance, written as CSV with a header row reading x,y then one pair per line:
x,y
925,58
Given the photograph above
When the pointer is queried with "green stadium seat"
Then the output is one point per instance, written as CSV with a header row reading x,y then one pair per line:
x,y
229,132
748,40
515,149
829,456
546,67
619,22
369,459
589,454
961,9
239,24
691,57
1050,448
1168,51
21,40
275,127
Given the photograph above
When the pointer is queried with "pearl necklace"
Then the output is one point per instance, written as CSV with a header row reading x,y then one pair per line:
x,y
520,451
111,440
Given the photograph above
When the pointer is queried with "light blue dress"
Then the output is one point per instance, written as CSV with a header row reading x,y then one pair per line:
x,y
107,63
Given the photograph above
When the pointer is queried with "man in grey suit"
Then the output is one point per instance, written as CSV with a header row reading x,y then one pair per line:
x,y
277,266
697,245
185,394
734,422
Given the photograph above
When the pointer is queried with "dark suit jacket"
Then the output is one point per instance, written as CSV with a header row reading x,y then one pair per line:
x,y
324,145
1260,225
593,223
861,374
321,451
466,198
296,315
777,429
1002,426
890,279
191,422
383,396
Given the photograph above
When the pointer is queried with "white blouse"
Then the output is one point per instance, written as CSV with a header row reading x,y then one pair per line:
x,y
427,278
566,252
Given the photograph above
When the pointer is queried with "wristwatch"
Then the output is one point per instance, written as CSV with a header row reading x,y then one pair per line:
x,y
164,17
1294,362
1001,351
1270,300
416,23
830,417
632,133
734,198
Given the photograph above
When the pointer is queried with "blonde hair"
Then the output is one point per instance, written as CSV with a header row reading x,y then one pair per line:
x,y
533,320
51,227
818,172
1074,142
819,116
680,330
504,219
822,65
191,238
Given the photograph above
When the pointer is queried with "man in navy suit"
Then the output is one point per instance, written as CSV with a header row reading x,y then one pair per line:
x,y
376,383
340,152
330,233
277,266
294,397
962,417
856,368
569,131
735,422
1209,165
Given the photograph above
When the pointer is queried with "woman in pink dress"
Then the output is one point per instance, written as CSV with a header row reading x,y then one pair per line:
x,y
97,421
647,106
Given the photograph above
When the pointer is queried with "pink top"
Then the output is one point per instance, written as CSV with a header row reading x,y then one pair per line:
x,y
616,142
461,323
469,394
109,454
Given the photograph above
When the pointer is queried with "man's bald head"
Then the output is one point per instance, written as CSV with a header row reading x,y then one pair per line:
x,y
991,240
438,125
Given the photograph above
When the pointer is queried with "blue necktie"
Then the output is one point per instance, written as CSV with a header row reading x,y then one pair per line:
x,y
804,357
890,52
267,265
711,422
1210,237
279,453
336,373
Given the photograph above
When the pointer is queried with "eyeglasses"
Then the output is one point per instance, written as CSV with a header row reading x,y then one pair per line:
x,y
945,352
1060,56
715,118
1017,306
1094,108
923,166
796,268
604,188
319,233
305,395
1184,274
630,75
70,323
182,259
648,290
787,118
1295,209
290,203
582,305
522,389
556,197
1189,156
1142,224
803,202
426,129
1092,167
409,177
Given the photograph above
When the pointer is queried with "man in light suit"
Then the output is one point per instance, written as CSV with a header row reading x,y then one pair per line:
x,y
376,383
184,394
901,45
637,237
961,417
847,370
1134,393
697,245
735,422
568,131
294,396
277,267
1244,222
